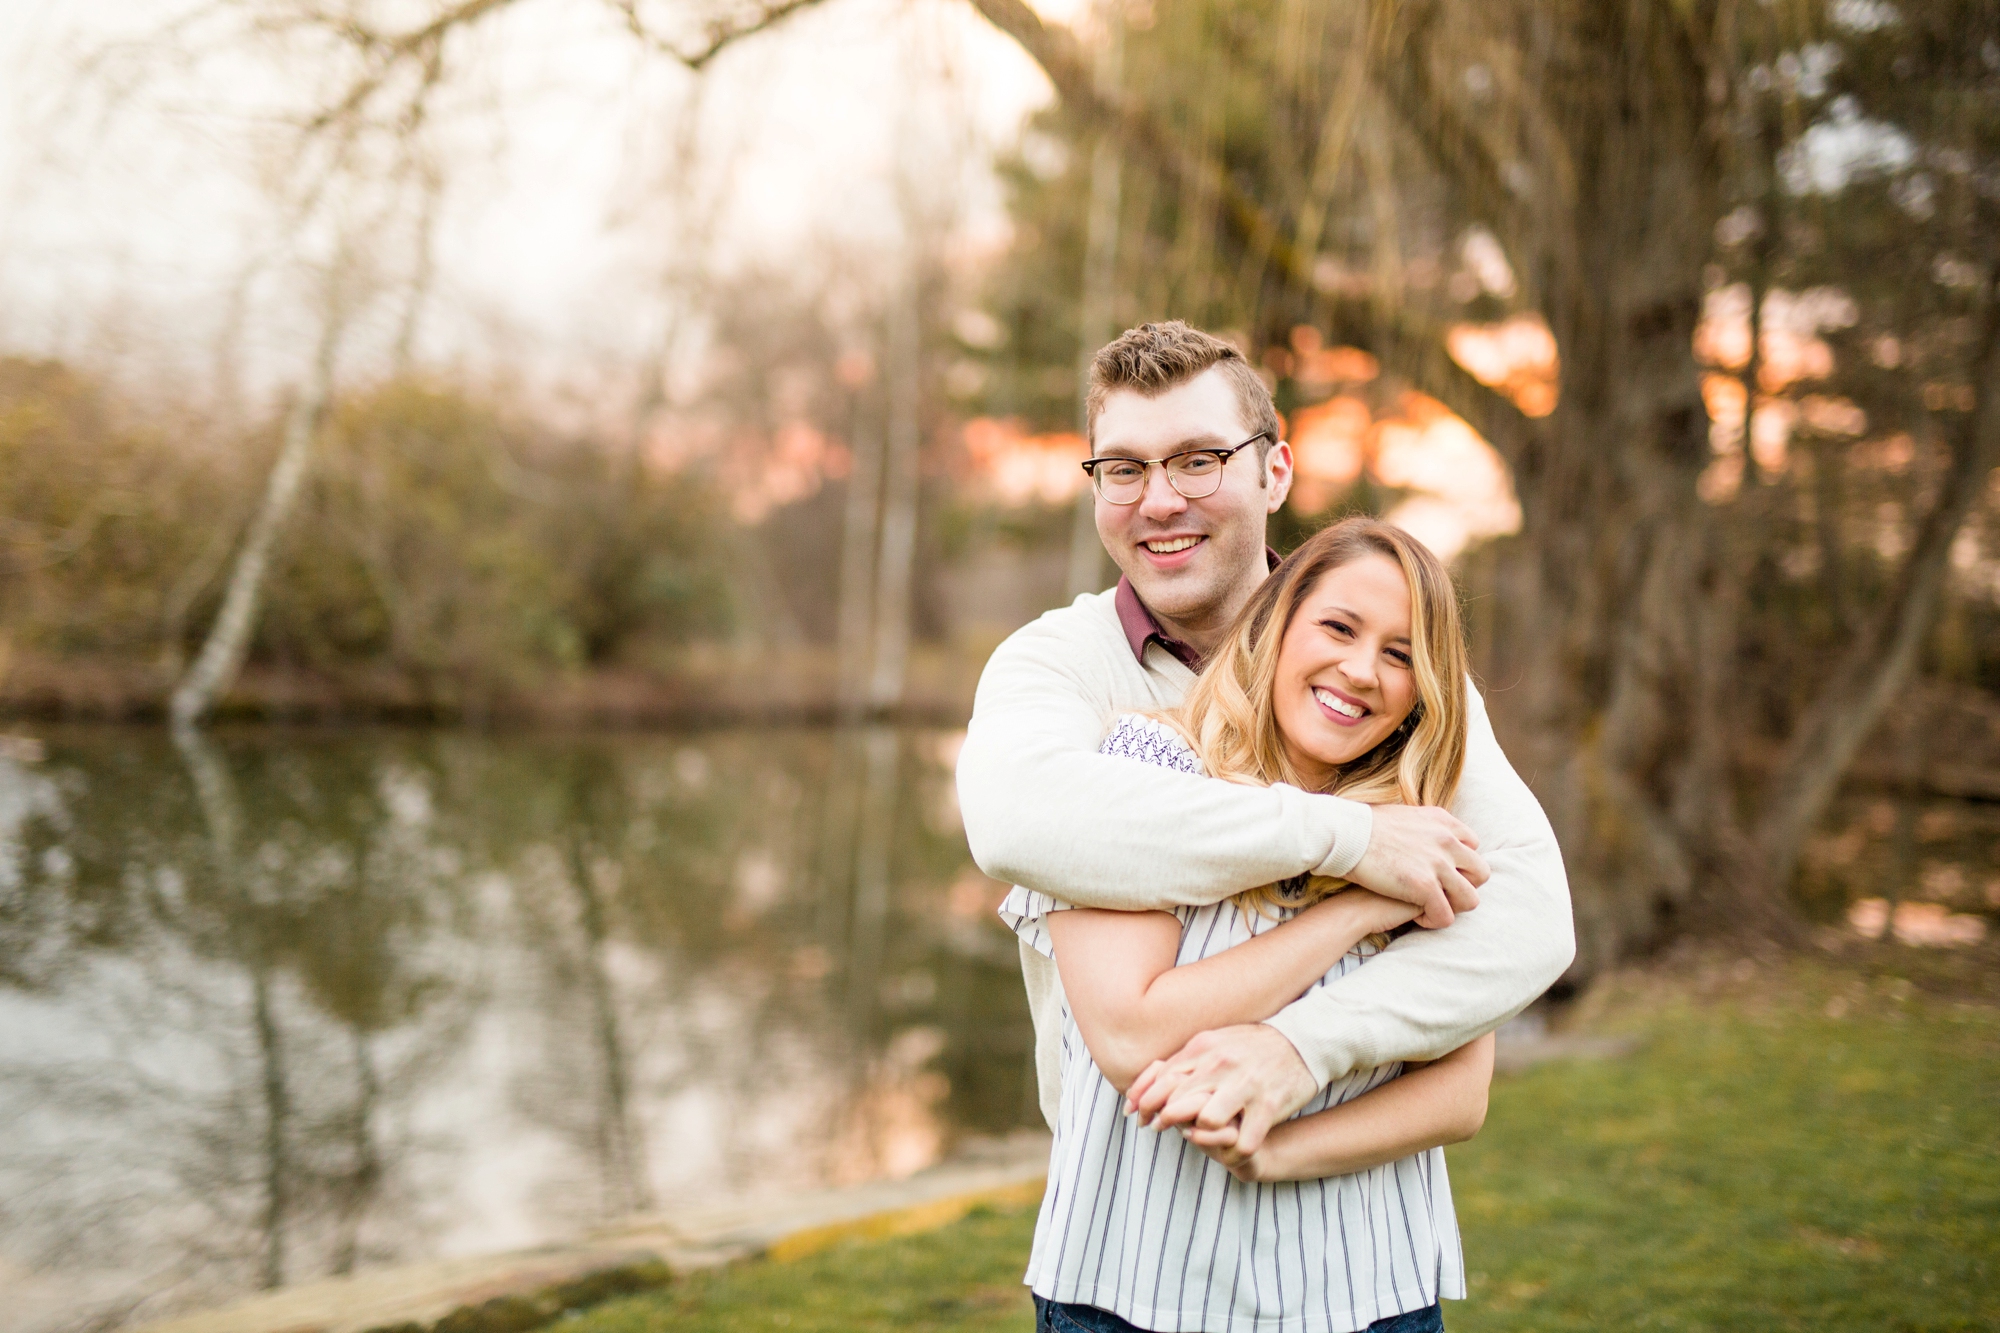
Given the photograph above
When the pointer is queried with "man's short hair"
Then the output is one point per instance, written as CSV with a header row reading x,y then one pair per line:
x,y
1154,358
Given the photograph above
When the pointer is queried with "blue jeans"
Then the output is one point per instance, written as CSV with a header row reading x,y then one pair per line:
x,y
1051,1317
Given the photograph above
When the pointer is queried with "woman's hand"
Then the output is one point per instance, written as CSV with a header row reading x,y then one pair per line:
x,y
1252,1168
1371,912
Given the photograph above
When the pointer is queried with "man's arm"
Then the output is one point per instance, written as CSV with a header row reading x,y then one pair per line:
x,y
1429,993
1432,991
1043,809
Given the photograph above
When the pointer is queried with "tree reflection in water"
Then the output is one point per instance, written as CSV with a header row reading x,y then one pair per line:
x,y
275,1005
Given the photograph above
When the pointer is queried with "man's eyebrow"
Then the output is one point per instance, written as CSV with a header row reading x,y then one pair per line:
x,y
1207,440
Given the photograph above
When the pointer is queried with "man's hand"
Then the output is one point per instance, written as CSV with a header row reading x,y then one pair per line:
x,y
1421,854
1225,1088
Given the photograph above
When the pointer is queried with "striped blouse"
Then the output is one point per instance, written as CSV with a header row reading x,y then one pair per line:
x,y
1144,1225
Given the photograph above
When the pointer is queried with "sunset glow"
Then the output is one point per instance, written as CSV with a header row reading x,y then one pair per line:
x,y
1516,356
1458,488
1461,490
1330,444
1789,352
1016,468
796,464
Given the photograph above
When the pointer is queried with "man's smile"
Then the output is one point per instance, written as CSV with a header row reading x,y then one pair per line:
x,y
1171,552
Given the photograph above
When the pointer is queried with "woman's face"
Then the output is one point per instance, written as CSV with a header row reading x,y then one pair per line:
x,y
1344,667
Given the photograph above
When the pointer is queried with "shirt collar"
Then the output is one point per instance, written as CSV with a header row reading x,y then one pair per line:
x,y
1141,628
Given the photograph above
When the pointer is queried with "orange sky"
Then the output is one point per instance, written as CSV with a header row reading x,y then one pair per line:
x,y
1458,489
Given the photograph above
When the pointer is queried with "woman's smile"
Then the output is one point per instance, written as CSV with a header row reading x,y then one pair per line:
x,y
1344,709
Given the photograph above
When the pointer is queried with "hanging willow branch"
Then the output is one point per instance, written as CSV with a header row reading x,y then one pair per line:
x,y
1403,337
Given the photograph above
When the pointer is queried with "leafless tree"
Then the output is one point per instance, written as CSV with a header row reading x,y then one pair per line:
x,y
1596,143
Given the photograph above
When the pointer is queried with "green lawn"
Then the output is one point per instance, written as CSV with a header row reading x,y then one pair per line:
x,y
1806,1147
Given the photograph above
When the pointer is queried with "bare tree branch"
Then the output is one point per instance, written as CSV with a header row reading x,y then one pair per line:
x,y
720,34
1336,134
390,53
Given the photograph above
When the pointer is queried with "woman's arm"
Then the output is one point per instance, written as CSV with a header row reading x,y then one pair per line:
x,y
1443,1102
1133,1006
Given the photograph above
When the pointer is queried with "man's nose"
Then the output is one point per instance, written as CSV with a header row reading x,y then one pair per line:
x,y
1161,499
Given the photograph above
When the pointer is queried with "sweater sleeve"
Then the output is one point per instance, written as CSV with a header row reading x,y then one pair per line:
x,y
1044,810
1432,991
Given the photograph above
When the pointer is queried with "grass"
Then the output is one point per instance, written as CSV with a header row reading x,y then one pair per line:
x,y
1796,1146
965,1278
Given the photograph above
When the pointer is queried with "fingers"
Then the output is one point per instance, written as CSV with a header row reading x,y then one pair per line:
x,y
1184,1106
1135,1092
1459,892
1227,1151
1177,1088
1162,1080
1224,1105
1211,1141
1243,1168
1256,1123
1436,905
1472,865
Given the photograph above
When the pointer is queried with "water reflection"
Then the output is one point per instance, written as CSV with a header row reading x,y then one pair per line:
x,y
276,1005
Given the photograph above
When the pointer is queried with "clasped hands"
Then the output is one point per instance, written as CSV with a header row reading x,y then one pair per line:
x,y
1226,1088
1224,1091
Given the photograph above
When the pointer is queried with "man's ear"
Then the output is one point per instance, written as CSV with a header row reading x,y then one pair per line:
x,y
1278,474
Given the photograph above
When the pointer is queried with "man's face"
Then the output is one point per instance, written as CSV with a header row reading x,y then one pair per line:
x,y
1192,562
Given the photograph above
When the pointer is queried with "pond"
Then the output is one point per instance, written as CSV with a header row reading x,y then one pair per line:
x,y
278,1004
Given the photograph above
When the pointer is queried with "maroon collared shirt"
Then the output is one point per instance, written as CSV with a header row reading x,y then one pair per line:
x,y
1141,628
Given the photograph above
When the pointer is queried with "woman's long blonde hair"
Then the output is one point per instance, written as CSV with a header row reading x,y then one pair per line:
x,y
1230,719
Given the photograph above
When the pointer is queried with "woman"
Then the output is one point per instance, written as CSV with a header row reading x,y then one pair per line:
x,y
1344,674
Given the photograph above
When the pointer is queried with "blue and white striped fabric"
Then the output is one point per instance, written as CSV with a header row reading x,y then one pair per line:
x,y
1144,1225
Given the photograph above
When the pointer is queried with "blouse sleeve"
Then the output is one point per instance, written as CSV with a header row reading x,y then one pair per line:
x,y
1025,913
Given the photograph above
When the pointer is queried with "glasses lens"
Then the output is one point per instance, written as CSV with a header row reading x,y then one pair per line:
x,y
1197,474
1120,481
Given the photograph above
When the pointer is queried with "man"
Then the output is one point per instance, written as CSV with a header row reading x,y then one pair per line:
x,y
1044,810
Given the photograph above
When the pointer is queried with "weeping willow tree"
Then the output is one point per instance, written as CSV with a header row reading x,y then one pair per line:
x,y
1697,628
1695,632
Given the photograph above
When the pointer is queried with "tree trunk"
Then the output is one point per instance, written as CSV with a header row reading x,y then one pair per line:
x,y
860,528
1099,315
221,657
895,566
1880,662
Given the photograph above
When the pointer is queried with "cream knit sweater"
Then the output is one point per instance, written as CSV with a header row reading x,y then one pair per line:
x,y
1044,810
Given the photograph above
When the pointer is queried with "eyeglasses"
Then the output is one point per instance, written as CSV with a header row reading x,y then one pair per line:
x,y
1196,474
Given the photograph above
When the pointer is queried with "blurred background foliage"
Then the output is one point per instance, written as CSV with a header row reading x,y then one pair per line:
x,y
1715,281
1673,325
440,542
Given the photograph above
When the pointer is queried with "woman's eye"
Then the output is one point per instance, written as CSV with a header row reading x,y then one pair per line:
x,y
1402,658
1336,627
